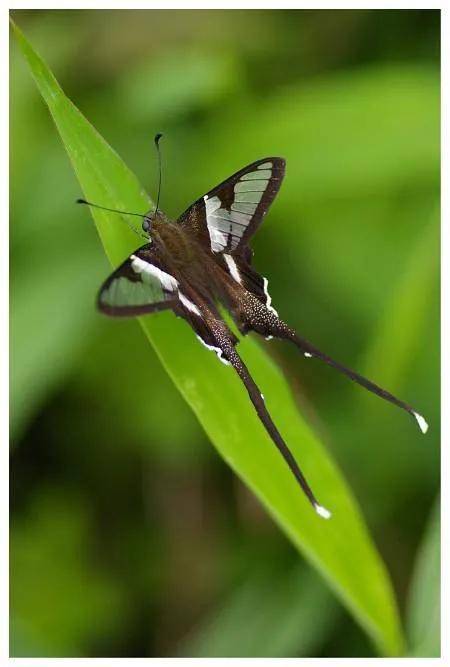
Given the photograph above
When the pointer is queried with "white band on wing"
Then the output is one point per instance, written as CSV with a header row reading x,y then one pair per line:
x,y
167,281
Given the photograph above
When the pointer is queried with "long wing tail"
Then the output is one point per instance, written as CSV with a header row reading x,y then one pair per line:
x,y
252,310
229,353
310,351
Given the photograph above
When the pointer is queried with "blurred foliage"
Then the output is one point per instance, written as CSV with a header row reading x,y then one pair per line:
x,y
113,502
424,609
287,598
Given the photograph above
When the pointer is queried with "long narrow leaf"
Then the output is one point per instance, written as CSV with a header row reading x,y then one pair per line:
x,y
273,614
423,612
341,549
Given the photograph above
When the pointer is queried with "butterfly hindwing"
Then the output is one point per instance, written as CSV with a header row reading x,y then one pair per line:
x,y
140,285
245,275
226,217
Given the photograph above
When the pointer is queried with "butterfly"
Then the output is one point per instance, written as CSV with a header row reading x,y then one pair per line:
x,y
205,259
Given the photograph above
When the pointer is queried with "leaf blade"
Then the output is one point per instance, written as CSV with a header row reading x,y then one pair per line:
x,y
423,612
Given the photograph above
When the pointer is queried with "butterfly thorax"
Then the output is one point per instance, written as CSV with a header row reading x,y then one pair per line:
x,y
193,264
173,242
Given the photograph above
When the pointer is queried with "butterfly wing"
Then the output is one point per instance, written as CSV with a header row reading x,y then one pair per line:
x,y
140,285
227,217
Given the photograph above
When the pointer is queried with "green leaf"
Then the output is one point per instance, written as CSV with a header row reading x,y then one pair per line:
x,y
57,341
423,617
405,322
341,549
187,81
275,613
55,582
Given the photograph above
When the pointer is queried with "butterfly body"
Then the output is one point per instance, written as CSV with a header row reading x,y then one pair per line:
x,y
204,259
200,279
174,243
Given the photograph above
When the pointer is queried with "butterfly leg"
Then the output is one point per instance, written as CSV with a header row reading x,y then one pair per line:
x,y
224,342
259,318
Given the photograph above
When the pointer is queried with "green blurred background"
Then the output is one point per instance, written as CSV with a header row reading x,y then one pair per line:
x,y
129,536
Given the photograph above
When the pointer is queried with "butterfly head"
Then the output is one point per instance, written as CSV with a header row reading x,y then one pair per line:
x,y
151,218
147,223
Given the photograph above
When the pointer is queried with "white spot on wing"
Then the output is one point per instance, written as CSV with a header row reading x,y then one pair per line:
x,y
248,197
232,267
255,175
211,205
253,185
243,207
307,354
188,304
268,297
423,425
322,511
167,281
218,237
266,165
215,349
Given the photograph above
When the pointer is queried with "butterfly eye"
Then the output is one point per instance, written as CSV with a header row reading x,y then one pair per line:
x,y
147,224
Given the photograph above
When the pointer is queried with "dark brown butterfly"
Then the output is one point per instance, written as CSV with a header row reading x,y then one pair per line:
x,y
203,259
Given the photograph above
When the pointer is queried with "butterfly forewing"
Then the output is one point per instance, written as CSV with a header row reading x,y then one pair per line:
x,y
140,285
227,216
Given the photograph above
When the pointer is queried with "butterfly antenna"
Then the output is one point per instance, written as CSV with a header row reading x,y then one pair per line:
x,y
157,138
115,210
105,208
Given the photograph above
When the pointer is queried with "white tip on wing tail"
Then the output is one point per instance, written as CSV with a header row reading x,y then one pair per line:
x,y
423,425
322,511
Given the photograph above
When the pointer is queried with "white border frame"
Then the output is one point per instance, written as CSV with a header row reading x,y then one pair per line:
x,y
445,329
